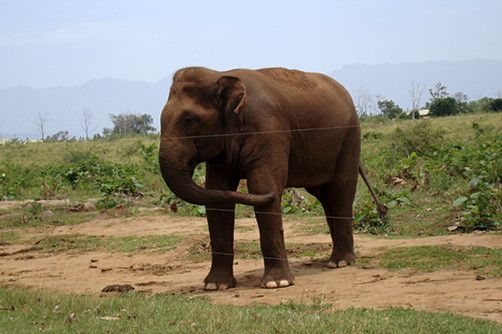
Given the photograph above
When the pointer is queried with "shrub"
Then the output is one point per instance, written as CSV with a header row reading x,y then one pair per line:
x,y
479,208
445,106
420,138
496,105
367,220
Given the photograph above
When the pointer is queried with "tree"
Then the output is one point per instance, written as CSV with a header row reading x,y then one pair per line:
x,y
438,92
363,101
445,106
59,136
389,108
87,119
126,124
462,102
40,122
416,91
496,105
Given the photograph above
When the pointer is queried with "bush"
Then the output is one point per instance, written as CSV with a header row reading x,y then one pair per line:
x,y
496,105
367,220
389,109
105,177
480,207
420,138
14,179
445,106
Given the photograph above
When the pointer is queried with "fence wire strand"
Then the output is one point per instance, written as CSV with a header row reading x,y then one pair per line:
x,y
251,133
266,132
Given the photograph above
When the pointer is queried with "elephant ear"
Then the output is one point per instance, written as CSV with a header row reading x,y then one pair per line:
x,y
231,94
231,99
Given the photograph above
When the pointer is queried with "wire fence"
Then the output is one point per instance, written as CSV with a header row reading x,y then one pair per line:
x,y
268,132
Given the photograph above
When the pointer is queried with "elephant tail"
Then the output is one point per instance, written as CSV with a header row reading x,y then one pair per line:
x,y
381,208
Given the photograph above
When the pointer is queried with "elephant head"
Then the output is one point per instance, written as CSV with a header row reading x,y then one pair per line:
x,y
198,123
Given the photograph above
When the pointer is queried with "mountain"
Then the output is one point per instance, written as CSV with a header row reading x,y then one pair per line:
x,y
63,106
475,78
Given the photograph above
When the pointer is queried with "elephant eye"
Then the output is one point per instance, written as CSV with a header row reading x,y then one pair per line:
x,y
190,121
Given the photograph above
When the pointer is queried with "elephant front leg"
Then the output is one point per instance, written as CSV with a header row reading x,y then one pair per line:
x,y
221,220
221,232
277,271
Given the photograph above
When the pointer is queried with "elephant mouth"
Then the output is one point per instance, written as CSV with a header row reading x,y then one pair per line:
x,y
193,164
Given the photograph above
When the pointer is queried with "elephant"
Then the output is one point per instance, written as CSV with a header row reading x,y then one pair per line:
x,y
275,128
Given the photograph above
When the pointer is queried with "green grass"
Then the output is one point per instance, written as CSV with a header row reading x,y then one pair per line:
x,y
26,311
486,261
48,153
437,159
128,244
35,216
9,237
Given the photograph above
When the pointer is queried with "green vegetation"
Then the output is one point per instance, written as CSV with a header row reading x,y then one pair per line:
x,y
452,170
128,244
435,175
129,124
389,109
486,261
9,237
24,311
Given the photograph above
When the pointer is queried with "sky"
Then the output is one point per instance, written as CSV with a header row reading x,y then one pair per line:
x,y
68,42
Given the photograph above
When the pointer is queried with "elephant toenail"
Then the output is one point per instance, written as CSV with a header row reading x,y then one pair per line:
x,y
223,287
342,264
283,283
271,285
332,264
210,286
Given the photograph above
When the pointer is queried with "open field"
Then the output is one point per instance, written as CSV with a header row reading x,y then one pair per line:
x,y
102,216
169,254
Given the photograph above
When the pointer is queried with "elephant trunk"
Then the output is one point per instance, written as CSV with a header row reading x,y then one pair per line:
x,y
180,181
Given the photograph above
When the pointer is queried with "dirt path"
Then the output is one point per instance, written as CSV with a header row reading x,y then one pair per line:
x,y
89,272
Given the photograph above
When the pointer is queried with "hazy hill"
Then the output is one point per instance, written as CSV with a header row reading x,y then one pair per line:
x,y
63,106
476,78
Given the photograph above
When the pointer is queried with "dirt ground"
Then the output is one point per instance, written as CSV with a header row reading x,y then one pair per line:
x,y
169,272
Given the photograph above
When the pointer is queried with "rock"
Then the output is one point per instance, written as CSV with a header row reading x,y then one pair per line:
x,y
118,288
47,214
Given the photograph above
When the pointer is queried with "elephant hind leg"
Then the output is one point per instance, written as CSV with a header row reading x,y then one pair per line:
x,y
341,192
337,197
339,219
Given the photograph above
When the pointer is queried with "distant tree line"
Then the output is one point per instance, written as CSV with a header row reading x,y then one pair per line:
x,y
440,103
123,125
130,124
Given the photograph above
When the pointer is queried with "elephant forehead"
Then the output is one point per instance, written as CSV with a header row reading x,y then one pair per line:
x,y
200,93
178,106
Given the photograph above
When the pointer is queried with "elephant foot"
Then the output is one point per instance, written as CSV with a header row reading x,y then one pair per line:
x,y
340,259
277,278
219,280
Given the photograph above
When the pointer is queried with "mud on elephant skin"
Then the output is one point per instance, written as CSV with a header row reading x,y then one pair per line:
x,y
275,127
